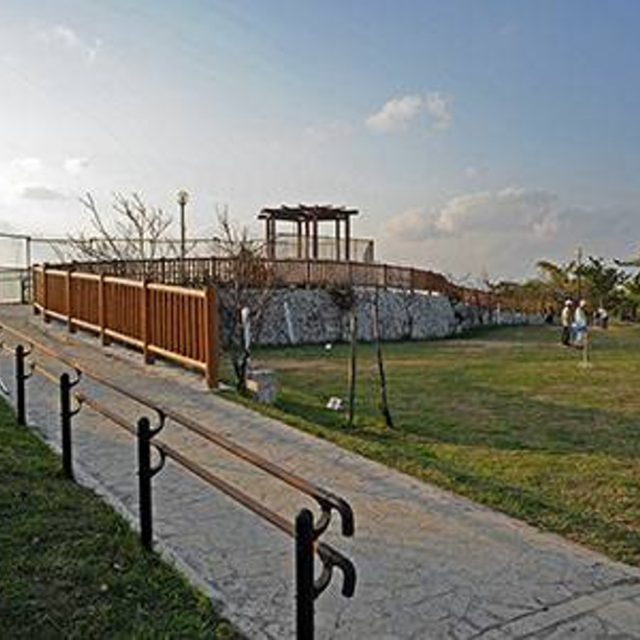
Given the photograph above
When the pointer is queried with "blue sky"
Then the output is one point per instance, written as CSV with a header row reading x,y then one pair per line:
x,y
475,137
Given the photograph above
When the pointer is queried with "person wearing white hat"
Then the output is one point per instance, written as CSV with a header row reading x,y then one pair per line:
x,y
565,321
580,323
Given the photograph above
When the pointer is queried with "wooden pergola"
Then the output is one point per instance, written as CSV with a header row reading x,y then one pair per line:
x,y
306,218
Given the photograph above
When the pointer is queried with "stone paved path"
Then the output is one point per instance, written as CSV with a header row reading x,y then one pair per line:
x,y
430,564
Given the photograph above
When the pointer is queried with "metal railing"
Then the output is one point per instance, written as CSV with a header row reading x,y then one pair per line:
x,y
305,530
15,284
287,246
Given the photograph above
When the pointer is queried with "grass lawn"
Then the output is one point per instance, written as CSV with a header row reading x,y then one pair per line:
x,y
70,567
505,416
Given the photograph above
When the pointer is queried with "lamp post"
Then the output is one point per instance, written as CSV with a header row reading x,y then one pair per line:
x,y
183,198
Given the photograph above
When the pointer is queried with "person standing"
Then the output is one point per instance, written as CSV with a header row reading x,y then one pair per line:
x,y
580,323
565,321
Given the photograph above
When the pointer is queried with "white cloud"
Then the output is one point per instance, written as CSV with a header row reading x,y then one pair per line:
x,y
398,113
74,166
64,36
438,106
507,210
503,210
506,231
28,165
409,226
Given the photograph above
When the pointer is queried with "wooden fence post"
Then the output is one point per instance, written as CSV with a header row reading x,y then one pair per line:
x,y
69,296
34,290
145,321
102,310
45,297
210,318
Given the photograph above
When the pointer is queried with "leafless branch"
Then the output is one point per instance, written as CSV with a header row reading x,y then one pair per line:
x,y
134,231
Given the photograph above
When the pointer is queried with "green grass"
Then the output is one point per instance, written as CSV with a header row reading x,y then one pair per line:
x,y
70,567
505,416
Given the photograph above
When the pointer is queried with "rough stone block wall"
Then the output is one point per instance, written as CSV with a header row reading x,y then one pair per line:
x,y
313,316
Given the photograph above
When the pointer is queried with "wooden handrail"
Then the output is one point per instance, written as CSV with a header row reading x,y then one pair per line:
x,y
171,288
173,322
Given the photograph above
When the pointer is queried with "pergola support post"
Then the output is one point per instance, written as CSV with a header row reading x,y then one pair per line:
x,y
347,239
308,217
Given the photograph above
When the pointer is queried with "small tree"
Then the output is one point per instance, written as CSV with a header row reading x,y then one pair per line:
x,y
346,300
135,231
384,399
247,284
604,282
630,302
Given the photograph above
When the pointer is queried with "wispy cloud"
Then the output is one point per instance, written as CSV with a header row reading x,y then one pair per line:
x,y
399,113
67,38
74,166
396,114
41,192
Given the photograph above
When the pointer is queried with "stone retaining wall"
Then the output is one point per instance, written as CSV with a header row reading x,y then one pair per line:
x,y
308,316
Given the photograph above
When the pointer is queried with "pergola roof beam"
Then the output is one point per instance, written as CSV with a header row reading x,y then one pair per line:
x,y
307,212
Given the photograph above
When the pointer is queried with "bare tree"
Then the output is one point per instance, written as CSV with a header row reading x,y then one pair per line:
x,y
246,288
136,231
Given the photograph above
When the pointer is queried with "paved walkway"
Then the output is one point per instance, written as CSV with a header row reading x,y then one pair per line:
x,y
430,564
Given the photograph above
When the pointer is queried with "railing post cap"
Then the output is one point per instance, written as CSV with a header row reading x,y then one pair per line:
x,y
304,519
144,426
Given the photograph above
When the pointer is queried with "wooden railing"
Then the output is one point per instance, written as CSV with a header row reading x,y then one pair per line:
x,y
175,323
309,273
